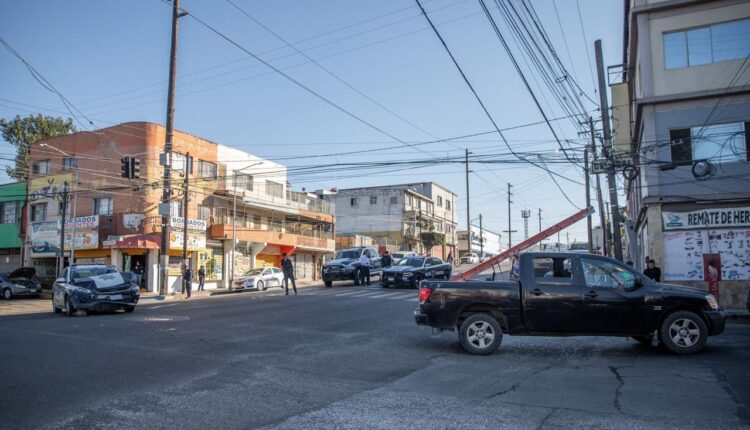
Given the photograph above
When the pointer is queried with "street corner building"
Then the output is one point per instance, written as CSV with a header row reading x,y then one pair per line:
x,y
241,212
681,117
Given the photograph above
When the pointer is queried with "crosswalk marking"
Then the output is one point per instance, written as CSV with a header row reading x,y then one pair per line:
x,y
363,292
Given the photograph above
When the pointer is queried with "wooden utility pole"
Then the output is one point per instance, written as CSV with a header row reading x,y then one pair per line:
x,y
188,165
589,234
63,214
608,152
166,159
600,200
509,231
468,206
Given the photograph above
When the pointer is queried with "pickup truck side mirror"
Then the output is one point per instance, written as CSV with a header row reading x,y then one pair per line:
x,y
638,283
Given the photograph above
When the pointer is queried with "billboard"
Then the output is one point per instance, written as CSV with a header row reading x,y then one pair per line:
x,y
87,232
48,187
45,238
196,233
688,255
707,218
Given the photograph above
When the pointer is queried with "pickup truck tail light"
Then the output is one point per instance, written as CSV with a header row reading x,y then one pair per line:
x,y
424,294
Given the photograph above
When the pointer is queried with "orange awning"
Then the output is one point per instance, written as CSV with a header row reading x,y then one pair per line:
x,y
141,241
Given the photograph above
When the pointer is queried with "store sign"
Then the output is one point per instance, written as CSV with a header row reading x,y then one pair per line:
x,y
193,225
196,242
132,221
86,232
707,218
48,187
45,237
694,255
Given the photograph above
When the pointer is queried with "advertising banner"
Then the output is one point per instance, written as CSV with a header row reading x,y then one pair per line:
x,y
193,225
196,242
132,221
45,238
688,254
48,187
87,232
707,218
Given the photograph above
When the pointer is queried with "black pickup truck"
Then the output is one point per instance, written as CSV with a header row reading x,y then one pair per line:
x,y
558,294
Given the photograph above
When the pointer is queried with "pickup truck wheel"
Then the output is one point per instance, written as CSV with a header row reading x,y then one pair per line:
x,y
480,334
683,332
328,284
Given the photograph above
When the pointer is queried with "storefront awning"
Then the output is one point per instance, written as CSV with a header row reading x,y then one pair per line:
x,y
141,241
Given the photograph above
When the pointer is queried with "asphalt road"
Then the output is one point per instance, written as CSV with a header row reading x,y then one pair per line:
x,y
350,358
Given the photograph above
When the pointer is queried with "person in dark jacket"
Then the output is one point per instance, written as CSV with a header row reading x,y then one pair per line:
x,y
288,268
187,279
386,260
652,271
201,278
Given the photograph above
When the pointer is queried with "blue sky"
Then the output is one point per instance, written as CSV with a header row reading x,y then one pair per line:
x,y
111,60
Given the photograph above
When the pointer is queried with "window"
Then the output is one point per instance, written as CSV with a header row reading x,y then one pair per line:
x,y
409,200
175,208
720,143
39,212
40,167
394,200
204,212
103,206
448,204
373,200
69,163
206,169
419,204
243,182
10,212
274,189
353,201
605,274
704,45
440,201
256,221
552,269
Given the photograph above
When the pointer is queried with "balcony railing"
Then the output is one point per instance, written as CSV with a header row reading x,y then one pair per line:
x,y
617,74
303,201
224,216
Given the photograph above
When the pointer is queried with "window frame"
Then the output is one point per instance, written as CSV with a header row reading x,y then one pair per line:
x,y
44,212
35,167
271,188
353,201
682,144
554,280
393,200
16,214
69,163
712,48
205,169
373,200
619,285
97,207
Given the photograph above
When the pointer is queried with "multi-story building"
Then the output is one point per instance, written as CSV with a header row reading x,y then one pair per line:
x,y
118,220
398,215
681,110
12,199
484,243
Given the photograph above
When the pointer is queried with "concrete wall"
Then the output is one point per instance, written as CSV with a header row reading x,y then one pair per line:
x,y
365,217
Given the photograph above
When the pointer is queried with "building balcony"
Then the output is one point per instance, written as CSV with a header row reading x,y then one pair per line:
x,y
289,202
297,238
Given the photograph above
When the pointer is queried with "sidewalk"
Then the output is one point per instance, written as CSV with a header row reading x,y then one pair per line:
x,y
197,295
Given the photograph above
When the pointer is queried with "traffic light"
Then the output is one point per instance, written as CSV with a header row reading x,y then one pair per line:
x,y
136,167
125,167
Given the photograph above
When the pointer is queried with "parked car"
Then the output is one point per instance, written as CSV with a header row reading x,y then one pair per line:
x,y
470,258
558,294
398,256
410,271
260,279
93,287
20,282
345,265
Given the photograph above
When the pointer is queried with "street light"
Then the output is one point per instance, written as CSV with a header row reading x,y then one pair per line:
x,y
75,200
234,220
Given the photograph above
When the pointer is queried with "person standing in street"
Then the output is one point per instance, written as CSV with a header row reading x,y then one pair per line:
x,y
201,278
387,260
187,279
450,258
364,268
288,268
652,271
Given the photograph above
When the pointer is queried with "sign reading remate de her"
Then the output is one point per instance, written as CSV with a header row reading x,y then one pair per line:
x,y
713,218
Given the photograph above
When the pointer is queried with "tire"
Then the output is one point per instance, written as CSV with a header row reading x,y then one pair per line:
x,y
683,332
129,308
447,274
55,309
356,277
7,294
645,340
261,286
476,330
328,284
70,310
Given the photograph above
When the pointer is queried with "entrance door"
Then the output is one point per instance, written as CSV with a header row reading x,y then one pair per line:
x,y
553,300
136,264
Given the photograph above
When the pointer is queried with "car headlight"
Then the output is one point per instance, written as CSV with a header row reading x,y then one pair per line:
x,y
712,302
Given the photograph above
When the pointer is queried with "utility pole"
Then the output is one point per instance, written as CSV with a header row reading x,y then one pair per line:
x,y
481,238
188,165
166,160
61,255
608,152
525,214
540,220
588,198
509,231
600,200
468,211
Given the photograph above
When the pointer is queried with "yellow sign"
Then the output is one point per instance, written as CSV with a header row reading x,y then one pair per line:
x,y
48,187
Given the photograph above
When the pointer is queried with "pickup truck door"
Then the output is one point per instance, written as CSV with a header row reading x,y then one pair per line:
x,y
611,302
553,300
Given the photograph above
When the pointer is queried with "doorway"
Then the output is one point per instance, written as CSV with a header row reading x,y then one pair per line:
x,y
136,264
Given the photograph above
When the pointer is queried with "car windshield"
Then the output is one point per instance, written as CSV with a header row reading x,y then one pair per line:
x,y
87,272
348,253
253,272
411,262
397,255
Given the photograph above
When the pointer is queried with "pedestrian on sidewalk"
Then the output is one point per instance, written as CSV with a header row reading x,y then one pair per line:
x,y
652,271
288,268
187,279
364,268
201,278
138,270
387,260
450,258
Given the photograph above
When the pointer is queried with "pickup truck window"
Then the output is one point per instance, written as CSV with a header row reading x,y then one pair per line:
x,y
600,273
548,268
